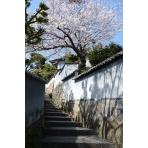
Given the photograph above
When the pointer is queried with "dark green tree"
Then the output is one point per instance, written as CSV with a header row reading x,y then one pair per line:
x,y
100,53
36,61
33,35
38,66
46,72
71,58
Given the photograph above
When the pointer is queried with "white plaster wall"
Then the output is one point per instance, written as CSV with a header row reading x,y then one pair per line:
x,y
88,63
68,92
49,87
68,68
50,83
60,64
103,83
57,79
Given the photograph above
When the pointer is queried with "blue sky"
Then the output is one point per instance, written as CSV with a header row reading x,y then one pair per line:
x,y
117,39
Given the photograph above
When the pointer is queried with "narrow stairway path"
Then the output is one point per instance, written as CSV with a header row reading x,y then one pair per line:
x,y
61,132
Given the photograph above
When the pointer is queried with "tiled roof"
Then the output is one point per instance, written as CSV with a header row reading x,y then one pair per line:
x,y
34,76
69,75
116,56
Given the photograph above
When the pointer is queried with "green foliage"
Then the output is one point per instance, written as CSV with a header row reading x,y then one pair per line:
x,y
99,53
36,61
46,72
71,58
27,62
37,64
34,34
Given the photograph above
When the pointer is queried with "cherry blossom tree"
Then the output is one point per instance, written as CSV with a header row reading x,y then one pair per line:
x,y
78,26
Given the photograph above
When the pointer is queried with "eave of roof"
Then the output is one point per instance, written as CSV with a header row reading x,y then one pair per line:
x,y
116,56
68,76
65,65
58,59
34,76
71,62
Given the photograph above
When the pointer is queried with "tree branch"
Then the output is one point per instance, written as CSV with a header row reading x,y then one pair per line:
x,y
58,46
70,39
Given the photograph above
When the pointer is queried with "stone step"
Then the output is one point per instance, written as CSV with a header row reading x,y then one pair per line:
x,y
52,110
47,107
72,142
63,124
55,114
69,131
47,103
57,118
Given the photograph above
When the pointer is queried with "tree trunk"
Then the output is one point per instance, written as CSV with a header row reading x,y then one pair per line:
x,y
82,65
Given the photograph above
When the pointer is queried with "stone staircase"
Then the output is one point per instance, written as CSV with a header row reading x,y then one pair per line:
x,y
61,132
